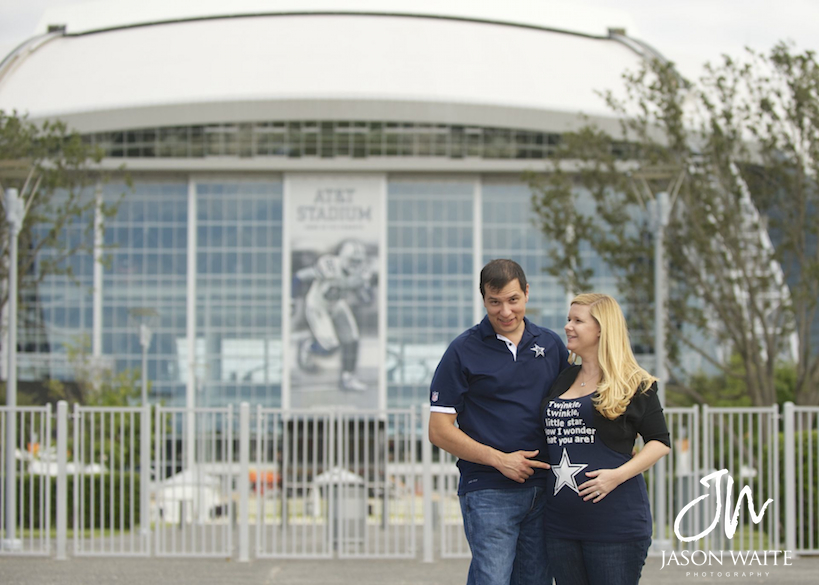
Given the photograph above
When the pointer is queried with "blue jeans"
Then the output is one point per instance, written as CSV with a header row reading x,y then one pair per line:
x,y
504,528
582,562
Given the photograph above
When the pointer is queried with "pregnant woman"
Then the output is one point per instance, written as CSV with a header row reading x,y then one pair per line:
x,y
598,524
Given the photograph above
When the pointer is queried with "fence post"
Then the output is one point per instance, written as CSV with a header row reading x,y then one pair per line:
x,y
159,471
788,467
62,481
244,481
77,454
145,473
427,486
706,441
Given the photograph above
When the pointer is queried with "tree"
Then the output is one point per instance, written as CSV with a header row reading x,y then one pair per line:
x,y
737,151
93,385
51,167
724,390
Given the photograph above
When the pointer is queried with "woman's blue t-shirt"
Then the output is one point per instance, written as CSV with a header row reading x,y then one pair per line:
x,y
574,450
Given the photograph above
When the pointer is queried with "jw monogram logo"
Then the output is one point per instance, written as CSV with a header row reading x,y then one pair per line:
x,y
730,520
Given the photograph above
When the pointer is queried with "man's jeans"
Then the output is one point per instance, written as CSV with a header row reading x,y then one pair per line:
x,y
505,530
580,562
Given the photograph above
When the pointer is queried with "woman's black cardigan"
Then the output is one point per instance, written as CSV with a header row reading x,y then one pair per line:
x,y
643,416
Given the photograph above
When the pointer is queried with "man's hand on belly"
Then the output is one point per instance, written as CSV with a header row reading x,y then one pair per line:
x,y
519,465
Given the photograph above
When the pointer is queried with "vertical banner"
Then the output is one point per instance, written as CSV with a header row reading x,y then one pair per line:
x,y
334,257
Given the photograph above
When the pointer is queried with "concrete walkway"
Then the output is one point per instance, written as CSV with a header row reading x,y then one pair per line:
x,y
156,571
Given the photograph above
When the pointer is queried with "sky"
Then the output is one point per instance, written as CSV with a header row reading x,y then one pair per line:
x,y
688,32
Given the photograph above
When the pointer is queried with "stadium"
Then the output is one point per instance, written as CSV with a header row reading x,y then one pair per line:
x,y
316,185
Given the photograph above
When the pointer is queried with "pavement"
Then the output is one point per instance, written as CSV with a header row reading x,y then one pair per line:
x,y
207,571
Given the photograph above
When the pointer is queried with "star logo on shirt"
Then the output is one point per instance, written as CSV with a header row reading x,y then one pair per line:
x,y
539,351
565,473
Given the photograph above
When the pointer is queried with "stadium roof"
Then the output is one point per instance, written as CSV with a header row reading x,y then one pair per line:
x,y
556,14
516,63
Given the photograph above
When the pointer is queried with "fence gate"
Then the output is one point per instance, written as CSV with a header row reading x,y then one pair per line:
x,y
372,494
329,483
672,482
193,510
107,503
289,451
27,470
447,509
800,424
743,441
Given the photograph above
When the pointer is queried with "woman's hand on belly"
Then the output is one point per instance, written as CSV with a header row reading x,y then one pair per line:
x,y
601,482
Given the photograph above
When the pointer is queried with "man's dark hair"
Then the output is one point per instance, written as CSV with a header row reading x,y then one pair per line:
x,y
498,273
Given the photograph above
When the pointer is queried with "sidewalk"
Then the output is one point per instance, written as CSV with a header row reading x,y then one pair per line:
x,y
201,571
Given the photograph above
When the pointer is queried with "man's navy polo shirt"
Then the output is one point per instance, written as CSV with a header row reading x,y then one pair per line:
x,y
497,397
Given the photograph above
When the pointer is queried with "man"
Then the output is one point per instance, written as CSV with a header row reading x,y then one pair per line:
x,y
491,380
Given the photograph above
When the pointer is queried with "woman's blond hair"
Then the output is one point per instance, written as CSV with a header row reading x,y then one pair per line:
x,y
621,376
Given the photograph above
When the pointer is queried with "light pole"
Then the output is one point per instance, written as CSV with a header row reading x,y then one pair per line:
x,y
15,213
659,206
144,319
145,343
660,219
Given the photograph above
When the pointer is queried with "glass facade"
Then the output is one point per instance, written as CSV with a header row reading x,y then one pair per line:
x,y
327,139
509,232
146,278
440,231
56,314
430,273
239,292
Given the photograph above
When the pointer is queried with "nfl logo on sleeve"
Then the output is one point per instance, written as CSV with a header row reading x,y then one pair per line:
x,y
435,397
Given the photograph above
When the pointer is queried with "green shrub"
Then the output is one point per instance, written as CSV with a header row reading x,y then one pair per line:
x,y
96,514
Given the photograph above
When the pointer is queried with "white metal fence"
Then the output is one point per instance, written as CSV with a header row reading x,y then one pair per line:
x,y
338,483
24,488
226,482
192,504
745,443
800,451
108,488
